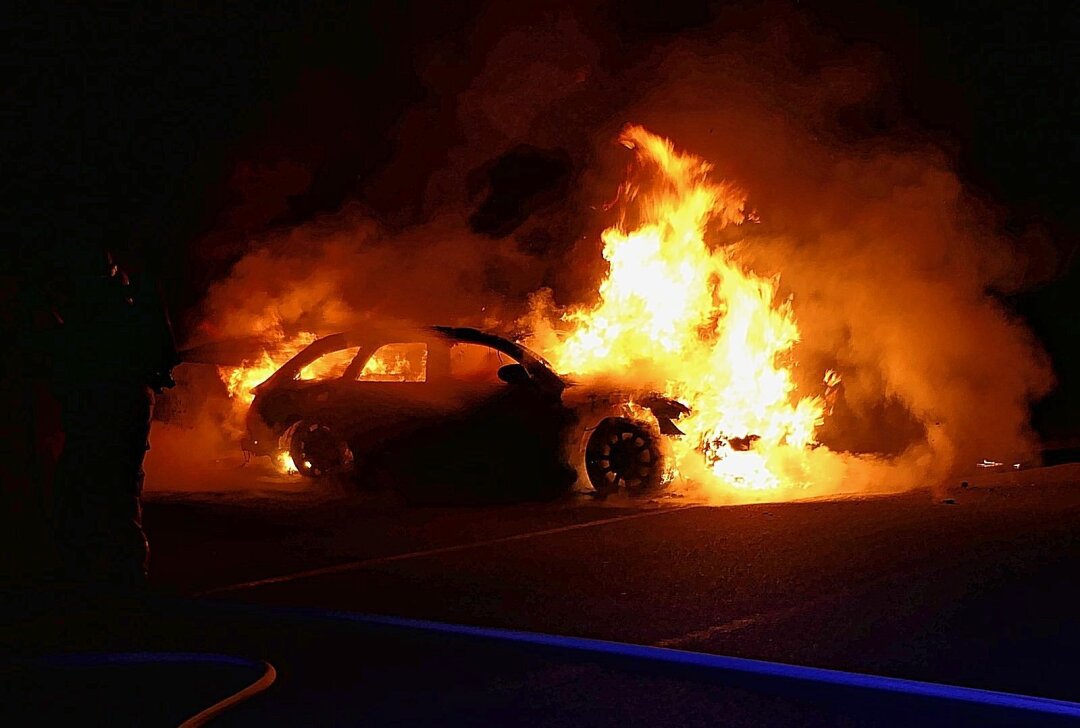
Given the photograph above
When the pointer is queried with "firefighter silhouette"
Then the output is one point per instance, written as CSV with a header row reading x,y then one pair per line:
x,y
112,349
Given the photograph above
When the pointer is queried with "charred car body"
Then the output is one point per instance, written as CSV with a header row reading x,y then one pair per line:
x,y
451,414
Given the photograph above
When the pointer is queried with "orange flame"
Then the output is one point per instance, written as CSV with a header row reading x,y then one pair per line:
x,y
686,318
241,380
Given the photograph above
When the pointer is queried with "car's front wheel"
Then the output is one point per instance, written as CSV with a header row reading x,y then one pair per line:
x,y
317,450
623,454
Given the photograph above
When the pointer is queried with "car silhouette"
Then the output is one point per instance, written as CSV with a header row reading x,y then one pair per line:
x,y
450,414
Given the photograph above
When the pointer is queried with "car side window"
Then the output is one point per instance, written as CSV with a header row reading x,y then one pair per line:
x,y
476,363
396,363
329,366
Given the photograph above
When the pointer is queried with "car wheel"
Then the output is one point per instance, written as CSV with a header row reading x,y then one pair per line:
x,y
623,454
317,451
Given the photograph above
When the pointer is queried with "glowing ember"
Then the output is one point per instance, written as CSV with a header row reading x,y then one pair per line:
x,y
689,320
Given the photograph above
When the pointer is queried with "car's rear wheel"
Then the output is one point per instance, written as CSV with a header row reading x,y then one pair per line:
x,y
317,451
623,454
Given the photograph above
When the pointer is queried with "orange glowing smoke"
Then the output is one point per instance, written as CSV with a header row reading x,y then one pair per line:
x,y
684,317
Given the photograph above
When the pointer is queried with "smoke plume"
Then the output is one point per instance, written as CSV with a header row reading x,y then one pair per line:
x,y
894,267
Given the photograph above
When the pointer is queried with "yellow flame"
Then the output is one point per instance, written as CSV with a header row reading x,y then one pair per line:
x,y
241,380
688,319
397,363
329,366
285,464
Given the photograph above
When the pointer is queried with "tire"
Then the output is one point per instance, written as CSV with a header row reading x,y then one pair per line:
x,y
622,454
317,451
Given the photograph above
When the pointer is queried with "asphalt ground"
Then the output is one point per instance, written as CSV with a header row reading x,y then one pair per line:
x,y
331,670
979,592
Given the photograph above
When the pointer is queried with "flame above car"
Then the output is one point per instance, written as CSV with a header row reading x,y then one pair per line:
x,y
682,314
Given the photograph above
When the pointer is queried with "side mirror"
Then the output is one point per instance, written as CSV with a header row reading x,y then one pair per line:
x,y
513,374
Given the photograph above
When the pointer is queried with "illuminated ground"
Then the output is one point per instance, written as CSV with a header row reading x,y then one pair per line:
x,y
979,592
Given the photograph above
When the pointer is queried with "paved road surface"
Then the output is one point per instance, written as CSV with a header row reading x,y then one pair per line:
x,y
981,592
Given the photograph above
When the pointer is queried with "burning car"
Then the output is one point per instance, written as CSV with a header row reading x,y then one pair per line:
x,y
451,412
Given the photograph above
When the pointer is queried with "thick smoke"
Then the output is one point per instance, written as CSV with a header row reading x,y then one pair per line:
x,y
893,265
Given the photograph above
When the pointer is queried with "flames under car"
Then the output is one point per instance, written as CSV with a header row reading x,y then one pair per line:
x,y
448,414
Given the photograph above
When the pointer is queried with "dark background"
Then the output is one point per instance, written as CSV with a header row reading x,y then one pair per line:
x,y
125,123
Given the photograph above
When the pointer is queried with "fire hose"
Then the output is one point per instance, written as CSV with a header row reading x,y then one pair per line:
x,y
758,671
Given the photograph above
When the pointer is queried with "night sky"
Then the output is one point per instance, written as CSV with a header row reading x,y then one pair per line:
x,y
130,126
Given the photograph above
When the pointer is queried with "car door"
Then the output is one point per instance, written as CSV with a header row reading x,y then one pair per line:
x,y
502,440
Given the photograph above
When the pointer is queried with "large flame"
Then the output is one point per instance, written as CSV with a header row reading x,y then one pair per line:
x,y
682,316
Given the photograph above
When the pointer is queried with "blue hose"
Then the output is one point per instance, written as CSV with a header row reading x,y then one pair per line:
x,y
585,646
706,662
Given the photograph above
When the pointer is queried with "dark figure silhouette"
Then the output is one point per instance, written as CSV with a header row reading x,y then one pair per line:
x,y
111,350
